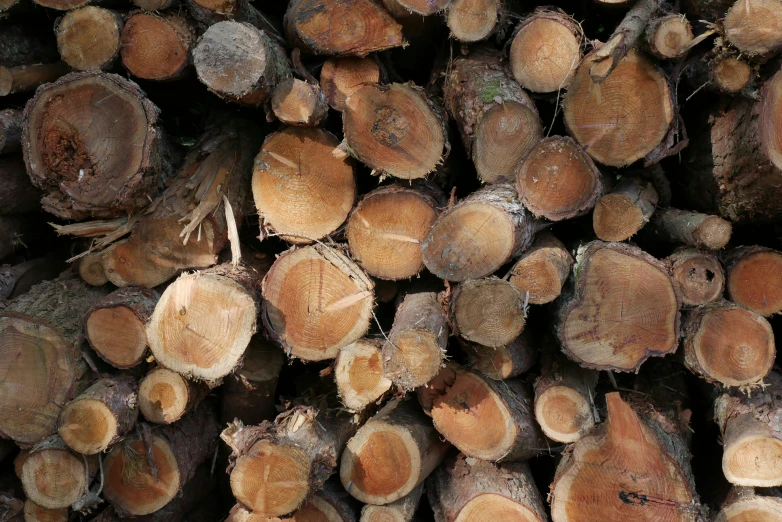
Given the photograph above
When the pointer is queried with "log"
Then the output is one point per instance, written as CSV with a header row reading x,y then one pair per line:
x,y
749,504
401,510
35,513
734,164
668,36
116,326
395,129
623,309
415,346
203,322
156,46
468,489
358,372
564,405
11,130
55,477
300,103
88,38
94,160
391,454
135,487
17,194
302,191
754,26
155,5
541,271
692,228
341,27
249,392
487,419
557,180
658,486
25,78
315,302
40,336
755,279
478,235
91,270
728,344
730,74
210,12
503,362
473,20
342,76
497,120
752,434
240,62
545,50
100,416
697,275
490,312
625,210
164,396
277,466
421,7
613,126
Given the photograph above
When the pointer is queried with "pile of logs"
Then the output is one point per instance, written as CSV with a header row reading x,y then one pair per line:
x,y
370,261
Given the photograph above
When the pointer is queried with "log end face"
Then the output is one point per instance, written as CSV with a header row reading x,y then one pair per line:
x,y
672,37
731,74
755,281
297,102
118,335
154,47
87,426
359,375
163,396
54,478
616,218
564,414
713,233
88,37
491,507
545,54
753,509
754,460
754,26
342,76
503,136
471,21
699,277
35,513
412,357
488,312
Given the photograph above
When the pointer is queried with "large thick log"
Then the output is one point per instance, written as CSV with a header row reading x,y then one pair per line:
x,y
755,279
165,396
156,46
755,26
341,77
88,38
604,472
316,301
144,474
697,275
490,312
395,129
497,120
341,27
17,194
358,372
302,191
41,333
469,489
92,159
391,454
487,419
541,272
478,235
621,213
277,466
751,427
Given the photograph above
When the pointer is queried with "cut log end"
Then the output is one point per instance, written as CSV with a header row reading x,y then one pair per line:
x,y
359,375
731,74
35,513
394,130
89,37
270,479
296,102
489,312
623,118
671,36
163,396
620,214
753,509
341,77
755,281
118,335
472,20
490,507
129,483
503,362
54,478
754,461
558,180
754,26
155,47
698,276
87,426
545,52
564,414
502,138
541,272
713,233
91,270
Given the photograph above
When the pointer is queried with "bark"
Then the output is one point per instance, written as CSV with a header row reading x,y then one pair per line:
x,y
603,471
474,20
625,210
240,62
249,392
11,130
415,346
668,36
165,396
395,129
734,163
41,333
755,278
303,444
727,344
698,275
157,46
465,488
557,180
478,235
497,120
754,26
115,326
342,76
144,474
623,308
100,416
341,27
299,103
88,38
210,12
358,372
301,190
545,50
204,321
391,454
541,272
597,114
487,419
17,194
316,301
692,228
503,362
490,312
61,147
